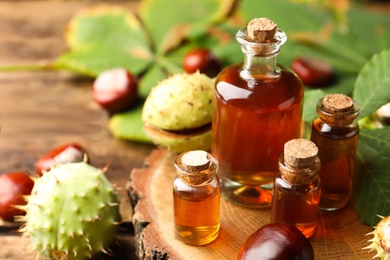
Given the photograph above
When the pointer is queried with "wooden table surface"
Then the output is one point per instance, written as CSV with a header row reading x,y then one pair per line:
x,y
42,110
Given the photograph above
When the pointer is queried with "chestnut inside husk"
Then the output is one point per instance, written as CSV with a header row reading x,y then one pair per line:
x,y
380,243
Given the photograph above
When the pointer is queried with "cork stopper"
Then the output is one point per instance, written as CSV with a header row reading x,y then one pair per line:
x,y
261,30
196,161
300,153
300,161
196,167
337,109
261,37
337,103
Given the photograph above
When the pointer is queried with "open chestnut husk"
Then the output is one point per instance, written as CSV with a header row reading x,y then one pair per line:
x,y
178,111
380,243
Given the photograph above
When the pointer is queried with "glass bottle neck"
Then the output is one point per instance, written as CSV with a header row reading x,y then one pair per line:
x,y
260,57
260,67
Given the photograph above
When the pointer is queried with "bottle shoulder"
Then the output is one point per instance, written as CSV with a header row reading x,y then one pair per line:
x,y
207,189
345,131
233,72
286,91
281,183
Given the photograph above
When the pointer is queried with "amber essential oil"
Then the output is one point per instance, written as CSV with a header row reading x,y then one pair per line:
x,y
297,187
196,198
336,135
258,107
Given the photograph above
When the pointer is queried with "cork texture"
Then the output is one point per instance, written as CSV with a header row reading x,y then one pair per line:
x,y
300,153
337,103
337,110
194,161
196,167
261,30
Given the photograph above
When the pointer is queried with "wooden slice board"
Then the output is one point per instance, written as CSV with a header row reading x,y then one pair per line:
x,y
340,234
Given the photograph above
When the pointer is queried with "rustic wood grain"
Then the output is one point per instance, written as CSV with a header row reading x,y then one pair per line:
x,y
340,234
42,110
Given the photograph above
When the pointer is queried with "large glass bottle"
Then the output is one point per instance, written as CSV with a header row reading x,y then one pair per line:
x,y
336,134
258,108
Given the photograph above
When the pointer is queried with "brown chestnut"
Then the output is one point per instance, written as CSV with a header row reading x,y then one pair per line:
x,y
276,241
115,89
202,60
13,187
313,72
71,152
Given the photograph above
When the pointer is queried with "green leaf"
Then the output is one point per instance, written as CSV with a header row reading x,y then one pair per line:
x,y
372,88
371,180
310,104
303,17
170,22
92,62
369,30
103,37
128,125
229,52
150,80
305,21
370,122
314,32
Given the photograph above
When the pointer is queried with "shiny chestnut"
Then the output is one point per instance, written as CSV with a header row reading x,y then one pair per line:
x,y
202,60
276,241
313,72
13,187
115,90
70,152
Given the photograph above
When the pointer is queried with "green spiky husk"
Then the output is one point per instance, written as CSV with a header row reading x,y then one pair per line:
x,y
380,243
72,212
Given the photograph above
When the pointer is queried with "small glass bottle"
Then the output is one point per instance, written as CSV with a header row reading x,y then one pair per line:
x,y
336,135
257,108
196,198
297,186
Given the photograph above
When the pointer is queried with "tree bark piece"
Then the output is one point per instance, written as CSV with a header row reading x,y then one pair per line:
x,y
340,234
